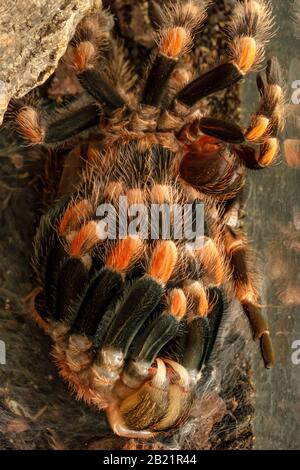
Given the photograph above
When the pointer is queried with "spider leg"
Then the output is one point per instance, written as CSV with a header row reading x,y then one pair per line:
x,y
140,300
217,128
221,77
46,242
202,334
171,387
111,330
98,87
249,31
265,125
120,72
82,57
174,38
151,341
204,152
62,128
62,276
267,122
200,339
246,292
88,42
196,344
105,285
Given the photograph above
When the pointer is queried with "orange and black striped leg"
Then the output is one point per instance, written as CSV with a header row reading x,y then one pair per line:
x,y
267,122
249,31
148,382
244,285
32,128
96,85
207,155
264,128
82,234
174,38
163,402
61,258
220,78
84,311
83,58
140,300
202,332
48,255
150,342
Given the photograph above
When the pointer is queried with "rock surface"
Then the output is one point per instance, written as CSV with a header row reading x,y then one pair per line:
x,y
34,35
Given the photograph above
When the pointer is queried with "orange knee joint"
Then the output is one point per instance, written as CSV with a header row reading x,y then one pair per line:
x,y
163,261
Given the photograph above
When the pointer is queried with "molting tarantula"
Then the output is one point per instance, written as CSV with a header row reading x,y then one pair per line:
x,y
135,321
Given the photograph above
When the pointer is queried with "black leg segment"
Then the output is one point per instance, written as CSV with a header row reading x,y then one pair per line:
x,y
218,79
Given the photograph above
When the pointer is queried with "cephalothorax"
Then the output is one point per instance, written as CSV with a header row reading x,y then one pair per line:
x,y
134,320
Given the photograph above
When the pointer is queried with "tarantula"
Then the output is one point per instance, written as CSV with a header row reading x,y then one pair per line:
x,y
134,321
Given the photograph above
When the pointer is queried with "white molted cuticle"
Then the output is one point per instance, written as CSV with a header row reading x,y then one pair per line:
x,y
118,426
160,378
184,380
